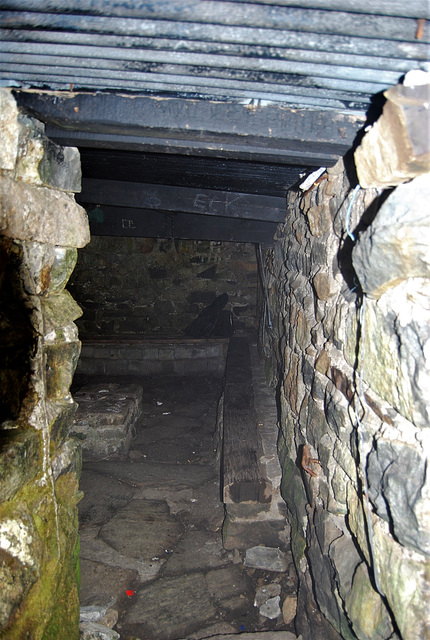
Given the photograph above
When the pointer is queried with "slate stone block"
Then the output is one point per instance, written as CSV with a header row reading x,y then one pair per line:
x,y
61,361
396,476
42,162
21,460
396,245
51,216
395,150
8,130
49,267
105,418
268,558
59,310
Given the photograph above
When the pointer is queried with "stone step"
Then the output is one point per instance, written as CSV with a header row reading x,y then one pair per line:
x,y
105,419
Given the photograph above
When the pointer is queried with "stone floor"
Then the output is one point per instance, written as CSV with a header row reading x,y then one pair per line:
x,y
150,528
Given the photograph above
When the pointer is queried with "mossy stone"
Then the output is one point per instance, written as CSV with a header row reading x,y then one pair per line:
x,y
61,361
366,609
21,460
59,311
50,608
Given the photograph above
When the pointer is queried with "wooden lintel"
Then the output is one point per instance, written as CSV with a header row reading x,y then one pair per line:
x,y
194,126
125,221
207,202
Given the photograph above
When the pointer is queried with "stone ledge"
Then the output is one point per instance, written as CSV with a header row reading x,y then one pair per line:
x,y
139,356
40,214
252,522
105,419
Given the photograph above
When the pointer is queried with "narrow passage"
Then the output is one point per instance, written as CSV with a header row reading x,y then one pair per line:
x,y
151,527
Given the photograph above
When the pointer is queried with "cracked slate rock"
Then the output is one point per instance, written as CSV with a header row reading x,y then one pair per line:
x,y
197,550
271,609
170,607
143,529
258,635
147,474
94,631
268,558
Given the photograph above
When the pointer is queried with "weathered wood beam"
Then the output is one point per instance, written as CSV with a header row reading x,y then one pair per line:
x,y
242,478
167,198
131,222
258,131
191,171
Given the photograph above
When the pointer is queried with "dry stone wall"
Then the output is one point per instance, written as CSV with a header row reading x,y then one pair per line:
x,y
41,227
150,287
349,354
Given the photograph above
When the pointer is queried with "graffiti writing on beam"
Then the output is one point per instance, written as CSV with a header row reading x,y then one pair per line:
x,y
204,203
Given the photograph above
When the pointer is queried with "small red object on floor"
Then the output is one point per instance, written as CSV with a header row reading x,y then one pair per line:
x,y
129,592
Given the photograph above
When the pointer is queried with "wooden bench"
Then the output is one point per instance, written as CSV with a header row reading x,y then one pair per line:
x,y
242,475
246,440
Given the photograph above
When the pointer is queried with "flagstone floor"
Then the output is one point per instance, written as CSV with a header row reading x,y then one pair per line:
x,y
151,527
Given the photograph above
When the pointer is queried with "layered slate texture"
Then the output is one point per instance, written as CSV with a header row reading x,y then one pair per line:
x,y
41,227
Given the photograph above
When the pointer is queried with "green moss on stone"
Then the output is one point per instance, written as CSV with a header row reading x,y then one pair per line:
x,y
50,609
298,542
369,617
61,361
62,268
59,310
60,425
20,461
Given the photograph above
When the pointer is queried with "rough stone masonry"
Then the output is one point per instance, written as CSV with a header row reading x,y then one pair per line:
x,y
350,354
41,227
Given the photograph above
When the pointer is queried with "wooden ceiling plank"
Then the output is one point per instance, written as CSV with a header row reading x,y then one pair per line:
x,y
205,202
131,222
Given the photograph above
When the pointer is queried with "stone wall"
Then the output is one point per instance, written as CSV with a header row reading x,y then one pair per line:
x,y
155,287
41,228
349,355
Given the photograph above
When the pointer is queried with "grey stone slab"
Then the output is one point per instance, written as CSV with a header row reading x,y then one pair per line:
x,y
268,558
217,629
155,426
271,609
396,245
103,496
182,451
258,635
197,550
265,592
102,583
207,510
95,631
231,588
170,607
107,559
143,529
105,418
8,130
148,475
241,533
92,612
55,217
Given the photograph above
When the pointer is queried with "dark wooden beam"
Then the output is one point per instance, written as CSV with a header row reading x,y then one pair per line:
x,y
242,477
257,131
190,171
198,201
131,222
